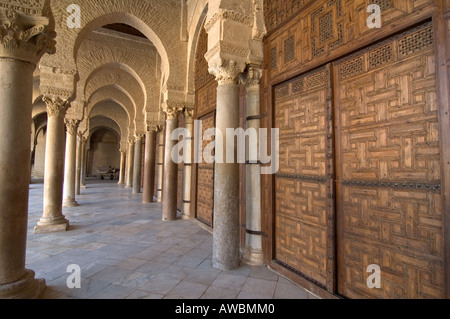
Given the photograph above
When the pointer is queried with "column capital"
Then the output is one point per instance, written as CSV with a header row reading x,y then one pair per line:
x,y
189,113
227,72
173,109
72,126
25,33
131,140
251,79
56,106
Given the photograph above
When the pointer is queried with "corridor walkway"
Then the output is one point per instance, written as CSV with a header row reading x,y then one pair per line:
x,y
124,250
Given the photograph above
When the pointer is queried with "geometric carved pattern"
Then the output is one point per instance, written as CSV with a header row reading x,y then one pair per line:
x,y
279,11
206,98
289,50
301,190
380,56
416,41
326,27
273,58
384,4
352,67
391,202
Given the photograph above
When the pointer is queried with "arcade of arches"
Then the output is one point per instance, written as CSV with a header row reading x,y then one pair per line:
x,y
362,113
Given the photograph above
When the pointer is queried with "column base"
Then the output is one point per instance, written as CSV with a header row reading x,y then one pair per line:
x,y
70,203
253,257
225,266
83,186
25,288
51,225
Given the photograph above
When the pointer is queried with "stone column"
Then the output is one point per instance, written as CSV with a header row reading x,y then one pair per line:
x,y
83,163
226,250
170,185
253,253
149,166
53,220
187,174
137,166
122,168
130,162
70,163
160,165
23,41
78,164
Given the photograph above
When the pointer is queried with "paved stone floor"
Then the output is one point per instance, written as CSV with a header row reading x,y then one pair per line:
x,y
124,250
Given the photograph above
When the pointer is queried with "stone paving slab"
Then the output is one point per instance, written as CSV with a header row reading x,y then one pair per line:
x,y
125,251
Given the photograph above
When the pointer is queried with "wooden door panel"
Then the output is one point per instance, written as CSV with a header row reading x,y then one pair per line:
x,y
304,213
205,179
389,169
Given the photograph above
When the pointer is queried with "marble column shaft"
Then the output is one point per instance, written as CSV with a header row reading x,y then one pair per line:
x,y
122,168
149,166
70,163
78,165
130,163
53,220
187,170
137,166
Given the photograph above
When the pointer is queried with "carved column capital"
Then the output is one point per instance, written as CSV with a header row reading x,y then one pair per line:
x,y
56,106
25,34
227,72
189,113
173,109
252,79
72,126
131,140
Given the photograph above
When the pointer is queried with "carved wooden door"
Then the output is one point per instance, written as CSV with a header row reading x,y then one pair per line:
x,y
304,185
388,160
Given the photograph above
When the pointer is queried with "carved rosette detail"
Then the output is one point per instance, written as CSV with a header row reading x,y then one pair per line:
x,y
252,79
56,106
173,109
227,73
72,126
25,37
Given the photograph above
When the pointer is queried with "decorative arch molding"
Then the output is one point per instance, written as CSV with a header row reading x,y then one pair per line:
x,y
116,77
155,19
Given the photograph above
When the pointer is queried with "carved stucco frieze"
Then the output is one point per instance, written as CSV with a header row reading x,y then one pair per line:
x,y
25,34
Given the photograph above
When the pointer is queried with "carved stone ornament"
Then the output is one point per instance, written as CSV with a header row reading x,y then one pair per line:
x,y
227,73
172,109
56,106
189,113
23,36
252,79
72,126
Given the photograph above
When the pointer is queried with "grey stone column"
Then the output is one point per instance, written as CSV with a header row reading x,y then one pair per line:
x,y
130,163
122,167
137,166
160,164
170,186
187,170
19,54
253,253
149,166
70,163
78,164
53,220
226,250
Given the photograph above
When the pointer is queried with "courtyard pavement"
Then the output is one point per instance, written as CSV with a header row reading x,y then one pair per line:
x,y
125,251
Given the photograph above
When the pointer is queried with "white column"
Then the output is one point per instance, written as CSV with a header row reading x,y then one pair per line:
x,y
253,253
137,166
70,163
78,164
53,220
160,164
149,166
130,163
187,173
